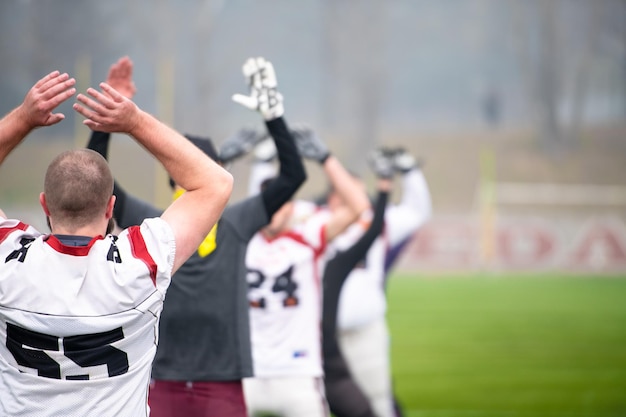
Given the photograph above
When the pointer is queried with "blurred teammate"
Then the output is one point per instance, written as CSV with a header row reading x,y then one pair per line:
x,y
285,262
363,334
79,308
205,348
345,397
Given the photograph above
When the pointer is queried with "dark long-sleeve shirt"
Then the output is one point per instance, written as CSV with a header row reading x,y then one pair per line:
x,y
204,329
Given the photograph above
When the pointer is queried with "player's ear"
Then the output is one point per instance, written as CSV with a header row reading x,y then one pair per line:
x,y
44,205
110,205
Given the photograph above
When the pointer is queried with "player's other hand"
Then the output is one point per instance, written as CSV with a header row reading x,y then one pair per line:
x,y
263,95
381,161
107,111
41,100
239,144
120,77
309,144
404,162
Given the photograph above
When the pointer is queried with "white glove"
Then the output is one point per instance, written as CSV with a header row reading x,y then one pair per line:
x,y
404,161
263,97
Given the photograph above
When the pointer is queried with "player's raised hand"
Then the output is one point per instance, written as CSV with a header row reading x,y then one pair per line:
x,y
263,95
107,111
309,144
44,97
382,162
403,161
239,144
120,77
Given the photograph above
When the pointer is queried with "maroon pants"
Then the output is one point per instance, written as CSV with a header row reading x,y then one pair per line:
x,y
196,399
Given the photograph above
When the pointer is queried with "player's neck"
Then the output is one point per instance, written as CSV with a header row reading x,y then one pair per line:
x,y
89,231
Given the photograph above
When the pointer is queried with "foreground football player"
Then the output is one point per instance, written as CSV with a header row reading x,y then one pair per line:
x,y
79,308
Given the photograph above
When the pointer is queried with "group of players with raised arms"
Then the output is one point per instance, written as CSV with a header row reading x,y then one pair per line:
x,y
266,306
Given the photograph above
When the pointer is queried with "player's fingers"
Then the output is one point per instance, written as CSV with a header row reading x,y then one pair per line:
x,y
126,67
58,88
269,76
47,78
60,97
83,111
54,119
95,106
53,82
249,67
260,62
112,92
246,101
93,125
102,102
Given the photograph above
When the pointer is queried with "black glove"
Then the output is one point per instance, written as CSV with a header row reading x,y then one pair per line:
x,y
309,144
239,144
381,161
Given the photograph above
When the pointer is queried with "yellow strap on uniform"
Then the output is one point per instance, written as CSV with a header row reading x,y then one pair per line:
x,y
209,243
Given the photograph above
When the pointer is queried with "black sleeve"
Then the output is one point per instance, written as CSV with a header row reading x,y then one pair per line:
x,y
291,175
124,216
345,261
99,142
358,251
338,269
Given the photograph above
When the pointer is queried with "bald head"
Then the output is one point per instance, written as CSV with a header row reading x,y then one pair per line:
x,y
77,187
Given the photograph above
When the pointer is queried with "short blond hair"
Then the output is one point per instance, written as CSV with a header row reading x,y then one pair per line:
x,y
78,185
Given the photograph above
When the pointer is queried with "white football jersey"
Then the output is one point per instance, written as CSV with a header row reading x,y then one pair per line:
x,y
284,293
363,299
79,324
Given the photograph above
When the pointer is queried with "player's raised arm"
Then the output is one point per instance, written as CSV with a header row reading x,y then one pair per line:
x,y
265,98
349,190
36,110
120,77
208,185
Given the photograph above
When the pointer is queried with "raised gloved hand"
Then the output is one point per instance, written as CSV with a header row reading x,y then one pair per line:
x,y
309,144
263,97
403,161
239,144
382,162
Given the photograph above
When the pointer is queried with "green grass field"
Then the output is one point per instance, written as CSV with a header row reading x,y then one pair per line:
x,y
510,346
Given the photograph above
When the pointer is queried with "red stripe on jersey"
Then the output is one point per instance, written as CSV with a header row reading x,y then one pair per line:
x,y
295,236
300,239
56,244
317,252
6,231
140,251
323,242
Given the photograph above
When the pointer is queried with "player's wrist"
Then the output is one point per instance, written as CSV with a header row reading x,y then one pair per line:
x,y
323,158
